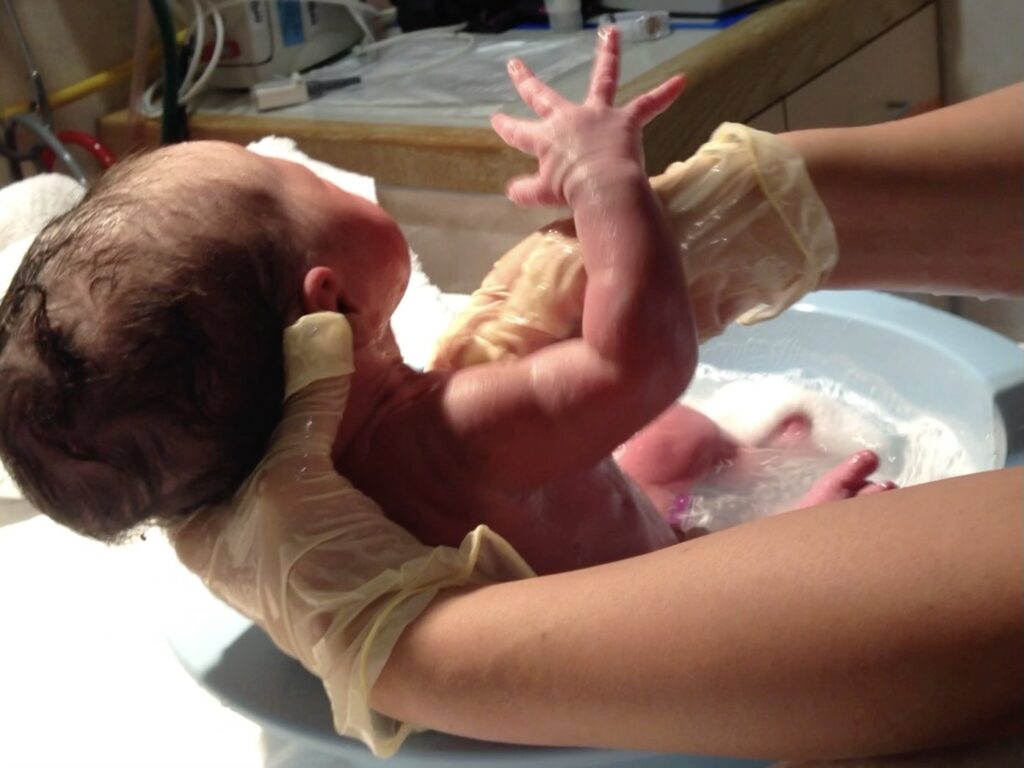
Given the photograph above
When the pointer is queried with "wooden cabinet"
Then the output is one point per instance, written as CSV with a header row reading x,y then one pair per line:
x,y
896,75
772,119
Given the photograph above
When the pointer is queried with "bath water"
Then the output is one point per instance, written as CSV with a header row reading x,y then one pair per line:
x,y
913,446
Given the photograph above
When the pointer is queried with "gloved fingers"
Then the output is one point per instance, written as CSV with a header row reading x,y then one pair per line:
x,y
648,106
532,191
310,418
537,95
604,77
524,135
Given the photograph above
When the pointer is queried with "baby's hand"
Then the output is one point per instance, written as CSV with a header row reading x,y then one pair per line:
x,y
579,142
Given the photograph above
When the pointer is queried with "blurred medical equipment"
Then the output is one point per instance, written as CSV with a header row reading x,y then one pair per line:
x,y
34,154
276,94
41,104
39,123
86,87
178,92
297,89
173,125
238,43
93,83
243,43
273,38
682,7
104,157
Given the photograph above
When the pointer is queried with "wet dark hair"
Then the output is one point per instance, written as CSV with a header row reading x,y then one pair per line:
x,y
140,346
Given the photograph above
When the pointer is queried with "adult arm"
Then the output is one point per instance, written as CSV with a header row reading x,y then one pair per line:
x,y
885,623
932,203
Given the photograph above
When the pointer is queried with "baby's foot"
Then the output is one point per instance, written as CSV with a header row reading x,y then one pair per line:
x,y
792,431
847,480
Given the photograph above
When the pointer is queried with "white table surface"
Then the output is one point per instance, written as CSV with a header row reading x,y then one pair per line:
x,y
86,677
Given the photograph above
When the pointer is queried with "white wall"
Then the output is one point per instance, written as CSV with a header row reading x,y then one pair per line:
x,y
982,43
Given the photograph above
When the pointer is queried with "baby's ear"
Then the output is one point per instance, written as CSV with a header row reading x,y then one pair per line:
x,y
321,291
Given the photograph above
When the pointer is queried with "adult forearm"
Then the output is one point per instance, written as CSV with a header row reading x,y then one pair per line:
x,y
884,623
932,203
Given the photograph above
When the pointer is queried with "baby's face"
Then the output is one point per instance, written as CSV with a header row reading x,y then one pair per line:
x,y
355,238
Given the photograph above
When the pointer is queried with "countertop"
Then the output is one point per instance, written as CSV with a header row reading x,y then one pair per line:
x,y
733,74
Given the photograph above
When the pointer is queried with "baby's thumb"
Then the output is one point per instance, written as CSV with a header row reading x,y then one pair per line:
x,y
519,134
532,191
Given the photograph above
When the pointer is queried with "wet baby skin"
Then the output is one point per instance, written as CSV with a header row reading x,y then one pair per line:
x,y
524,446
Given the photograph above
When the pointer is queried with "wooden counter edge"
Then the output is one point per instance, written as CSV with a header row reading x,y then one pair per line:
x,y
763,58
813,34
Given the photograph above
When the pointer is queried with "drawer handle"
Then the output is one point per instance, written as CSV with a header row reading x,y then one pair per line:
x,y
897,108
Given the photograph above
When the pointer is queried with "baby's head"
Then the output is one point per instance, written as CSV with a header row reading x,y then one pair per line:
x,y
140,340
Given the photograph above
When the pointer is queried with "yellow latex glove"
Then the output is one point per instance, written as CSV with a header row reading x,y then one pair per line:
x,y
315,562
753,234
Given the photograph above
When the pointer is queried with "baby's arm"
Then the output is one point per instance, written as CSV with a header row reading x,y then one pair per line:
x,y
566,406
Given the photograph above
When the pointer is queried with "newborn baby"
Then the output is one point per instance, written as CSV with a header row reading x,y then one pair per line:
x,y
143,374
141,350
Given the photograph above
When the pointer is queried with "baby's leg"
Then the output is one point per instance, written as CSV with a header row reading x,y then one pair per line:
x,y
847,480
682,446
668,456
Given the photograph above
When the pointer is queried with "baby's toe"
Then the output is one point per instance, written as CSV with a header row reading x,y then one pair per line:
x,y
848,479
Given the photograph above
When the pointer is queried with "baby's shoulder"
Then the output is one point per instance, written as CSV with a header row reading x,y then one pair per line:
x,y
408,424
413,408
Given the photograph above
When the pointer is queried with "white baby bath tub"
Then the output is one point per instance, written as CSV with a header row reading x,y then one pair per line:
x,y
907,358
876,346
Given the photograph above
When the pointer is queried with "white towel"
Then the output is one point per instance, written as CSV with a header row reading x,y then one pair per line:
x,y
25,208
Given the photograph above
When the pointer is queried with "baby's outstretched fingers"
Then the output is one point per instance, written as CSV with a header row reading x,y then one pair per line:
x,y
533,190
524,135
648,106
537,94
578,143
604,77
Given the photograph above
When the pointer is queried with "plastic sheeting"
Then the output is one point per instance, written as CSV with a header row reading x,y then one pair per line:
x,y
439,81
